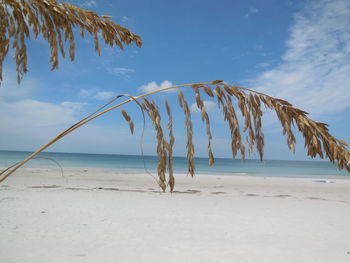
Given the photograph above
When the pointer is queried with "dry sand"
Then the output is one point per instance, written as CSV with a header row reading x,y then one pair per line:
x,y
96,215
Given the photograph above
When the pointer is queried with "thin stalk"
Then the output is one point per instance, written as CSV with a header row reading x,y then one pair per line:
x,y
7,172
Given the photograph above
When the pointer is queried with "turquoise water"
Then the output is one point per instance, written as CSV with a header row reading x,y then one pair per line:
x,y
135,163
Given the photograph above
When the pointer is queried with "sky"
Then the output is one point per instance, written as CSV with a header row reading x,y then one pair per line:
x,y
295,50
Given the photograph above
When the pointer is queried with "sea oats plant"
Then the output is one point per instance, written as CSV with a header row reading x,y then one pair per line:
x,y
250,104
230,98
56,23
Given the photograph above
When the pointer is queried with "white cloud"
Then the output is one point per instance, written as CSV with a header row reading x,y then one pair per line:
x,y
104,95
86,92
18,108
315,70
258,47
209,105
251,11
96,94
34,113
10,90
125,19
263,65
152,86
89,3
76,106
122,72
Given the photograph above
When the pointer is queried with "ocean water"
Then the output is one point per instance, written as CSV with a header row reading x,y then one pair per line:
x,y
136,163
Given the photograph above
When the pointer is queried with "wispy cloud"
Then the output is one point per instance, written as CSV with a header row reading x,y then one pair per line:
x,y
125,19
19,108
33,113
252,11
10,90
263,65
121,72
96,94
315,69
209,105
152,86
88,3
76,106
104,95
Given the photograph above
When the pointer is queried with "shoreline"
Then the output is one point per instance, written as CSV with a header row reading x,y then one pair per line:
x,y
200,173
94,214
136,164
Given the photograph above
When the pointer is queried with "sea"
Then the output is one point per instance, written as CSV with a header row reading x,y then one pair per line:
x,y
136,163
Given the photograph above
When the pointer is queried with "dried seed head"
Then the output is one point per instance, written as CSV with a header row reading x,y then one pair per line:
x,y
208,91
189,129
318,140
55,22
169,147
153,112
205,118
128,119
231,118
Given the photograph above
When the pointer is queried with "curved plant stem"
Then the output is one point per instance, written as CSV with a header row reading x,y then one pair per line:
x,y
313,132
7,172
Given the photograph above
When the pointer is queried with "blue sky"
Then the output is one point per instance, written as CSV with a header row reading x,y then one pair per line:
x,y
295,50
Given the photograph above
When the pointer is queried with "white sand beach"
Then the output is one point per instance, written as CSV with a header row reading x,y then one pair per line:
x,y
97,215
